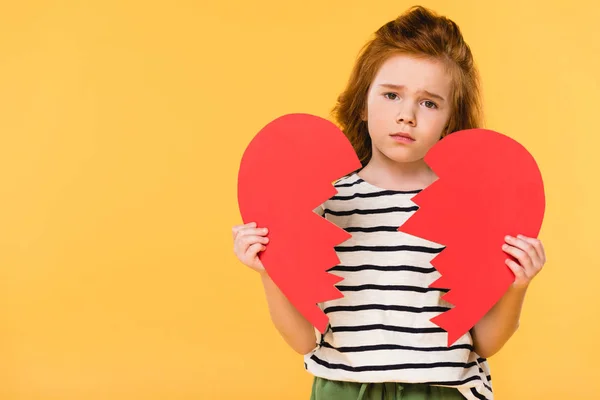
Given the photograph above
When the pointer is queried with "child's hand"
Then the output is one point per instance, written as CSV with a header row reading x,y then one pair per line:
x,y
531,256
248,241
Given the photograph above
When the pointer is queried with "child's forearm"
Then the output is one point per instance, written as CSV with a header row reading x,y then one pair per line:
x,y
298,333
499,324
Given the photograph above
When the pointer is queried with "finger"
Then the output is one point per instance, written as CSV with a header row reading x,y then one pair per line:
x,y
247,241
537,243
237,228
247,253
255,249
522,256
526,247
252,231
517,270
244,231
253,254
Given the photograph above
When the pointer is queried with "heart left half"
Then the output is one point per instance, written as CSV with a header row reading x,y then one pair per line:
x,y
286,172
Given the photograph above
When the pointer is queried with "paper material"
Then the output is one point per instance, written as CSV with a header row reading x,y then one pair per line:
x,y
489,186
285,173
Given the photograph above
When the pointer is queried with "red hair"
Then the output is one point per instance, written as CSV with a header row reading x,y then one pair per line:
x,y
421,33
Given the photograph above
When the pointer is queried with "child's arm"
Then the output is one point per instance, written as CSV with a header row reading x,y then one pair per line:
x,y
501,322
293,327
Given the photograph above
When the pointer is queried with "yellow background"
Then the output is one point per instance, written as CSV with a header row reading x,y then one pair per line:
x,y
121,128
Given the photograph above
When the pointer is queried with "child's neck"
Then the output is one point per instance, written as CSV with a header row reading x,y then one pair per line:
x,y
398,176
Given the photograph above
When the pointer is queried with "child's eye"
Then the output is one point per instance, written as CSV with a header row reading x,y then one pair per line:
x,y
393,94
431,104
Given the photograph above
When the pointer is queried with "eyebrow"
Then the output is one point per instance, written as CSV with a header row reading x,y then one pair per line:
x,y
399,87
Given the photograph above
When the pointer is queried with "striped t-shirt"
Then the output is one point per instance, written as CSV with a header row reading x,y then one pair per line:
x,y
380,331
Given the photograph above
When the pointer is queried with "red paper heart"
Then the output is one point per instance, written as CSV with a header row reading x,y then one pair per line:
x,y
285,173
489,186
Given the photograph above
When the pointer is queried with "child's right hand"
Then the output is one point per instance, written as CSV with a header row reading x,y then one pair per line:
x,y
248,241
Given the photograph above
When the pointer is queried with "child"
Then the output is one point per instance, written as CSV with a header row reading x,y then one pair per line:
x,y
414,83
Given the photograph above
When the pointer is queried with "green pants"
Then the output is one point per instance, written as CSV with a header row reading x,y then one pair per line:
x,y
324,389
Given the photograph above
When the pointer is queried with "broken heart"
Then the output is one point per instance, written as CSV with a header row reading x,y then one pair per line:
x,y
489,186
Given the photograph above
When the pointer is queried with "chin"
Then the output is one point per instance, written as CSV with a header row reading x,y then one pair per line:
x,y
403,156
406,160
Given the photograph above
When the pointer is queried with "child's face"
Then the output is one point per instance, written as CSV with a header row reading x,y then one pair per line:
x,y
407,108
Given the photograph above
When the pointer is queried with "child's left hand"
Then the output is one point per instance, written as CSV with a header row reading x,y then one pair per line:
x,y
531,256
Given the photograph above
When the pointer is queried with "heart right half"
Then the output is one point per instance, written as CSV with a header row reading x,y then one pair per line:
x,y
489,186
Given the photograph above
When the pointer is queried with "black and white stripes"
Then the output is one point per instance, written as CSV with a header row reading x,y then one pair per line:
x,y
380,331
